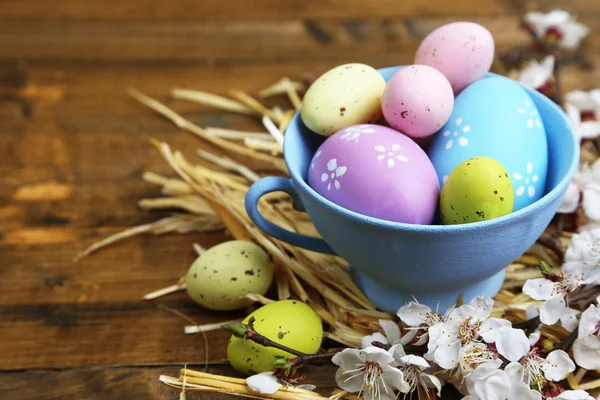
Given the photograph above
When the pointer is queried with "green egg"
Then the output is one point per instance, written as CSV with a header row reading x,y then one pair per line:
x,y
478,189
288,322
222,276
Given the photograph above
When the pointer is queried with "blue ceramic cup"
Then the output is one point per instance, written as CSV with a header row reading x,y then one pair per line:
x,y
391,262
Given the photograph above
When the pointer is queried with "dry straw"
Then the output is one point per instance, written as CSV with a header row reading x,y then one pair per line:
x,y
213,198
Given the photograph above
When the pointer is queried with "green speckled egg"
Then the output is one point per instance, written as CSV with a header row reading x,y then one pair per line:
x,y
288,322
478,189
346,95
221,277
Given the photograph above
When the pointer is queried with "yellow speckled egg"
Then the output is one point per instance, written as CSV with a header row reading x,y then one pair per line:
x,y
478,189
288,322
221,277
346,95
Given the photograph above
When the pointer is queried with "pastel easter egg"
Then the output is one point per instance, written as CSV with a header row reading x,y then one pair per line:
x,y
376,171
222,276
291,323
462,51
478,189
495,117
343,96
417,101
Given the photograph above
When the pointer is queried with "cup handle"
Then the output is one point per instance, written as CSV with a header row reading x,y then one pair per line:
x,y
278,184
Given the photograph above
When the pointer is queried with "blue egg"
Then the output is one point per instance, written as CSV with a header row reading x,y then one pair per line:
x,y
496,117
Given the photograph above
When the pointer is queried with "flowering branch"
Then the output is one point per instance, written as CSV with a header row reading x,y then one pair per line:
x,y
247,331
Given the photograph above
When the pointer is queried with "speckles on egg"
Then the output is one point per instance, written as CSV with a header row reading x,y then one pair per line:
x,y
417,100
325,108
288,322
236,269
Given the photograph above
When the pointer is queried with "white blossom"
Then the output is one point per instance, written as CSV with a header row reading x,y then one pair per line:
x,y
420,317
572,395
532,369
414,367
583,109
584,246
472,355
265,383
584,188
557,27
488,382
586,348
538,75
391,337
368,372
466,324
554,293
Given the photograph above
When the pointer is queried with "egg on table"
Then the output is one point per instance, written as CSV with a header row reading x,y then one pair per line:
x,y
288,322
376,171
221,277
346,95
417,100
478,189
462,51
495,117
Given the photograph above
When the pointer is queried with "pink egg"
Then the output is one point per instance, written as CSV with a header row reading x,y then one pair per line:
x,y
462,51
417,100
376,171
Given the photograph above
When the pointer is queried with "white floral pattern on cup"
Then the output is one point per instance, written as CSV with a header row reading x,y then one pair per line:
x,y
391,155
526,181
353,133
334,173
532,114
451,134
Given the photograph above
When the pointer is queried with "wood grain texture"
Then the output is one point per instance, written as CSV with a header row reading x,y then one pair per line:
x,y
237,9
73,146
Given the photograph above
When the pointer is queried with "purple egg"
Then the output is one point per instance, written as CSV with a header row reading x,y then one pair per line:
x,y
376,171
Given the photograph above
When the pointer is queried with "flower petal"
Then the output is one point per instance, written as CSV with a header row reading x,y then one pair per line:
x,y
551,310
394,378
432,381
413,314
590,319
531,312
568,319
397,352
483,306
570,201
574,395
391,329
376,337
375,354
415,360
558,366
489,330
582,246
434,336
535,337
589,129
591,201
351,382
348,358
539,289
492,386
265,383
512,343
520,391
446,354
586,352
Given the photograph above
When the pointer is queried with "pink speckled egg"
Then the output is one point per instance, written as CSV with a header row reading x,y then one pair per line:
x,y
376,171
417,100
462,51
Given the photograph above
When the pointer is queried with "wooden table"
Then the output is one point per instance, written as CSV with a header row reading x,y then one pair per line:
x,y
73,146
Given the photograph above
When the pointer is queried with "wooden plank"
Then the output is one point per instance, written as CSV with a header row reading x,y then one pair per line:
x,y
136,384
91,333
187,10
242,42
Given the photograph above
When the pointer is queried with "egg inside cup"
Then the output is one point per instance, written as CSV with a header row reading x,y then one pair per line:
x,y
393,261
